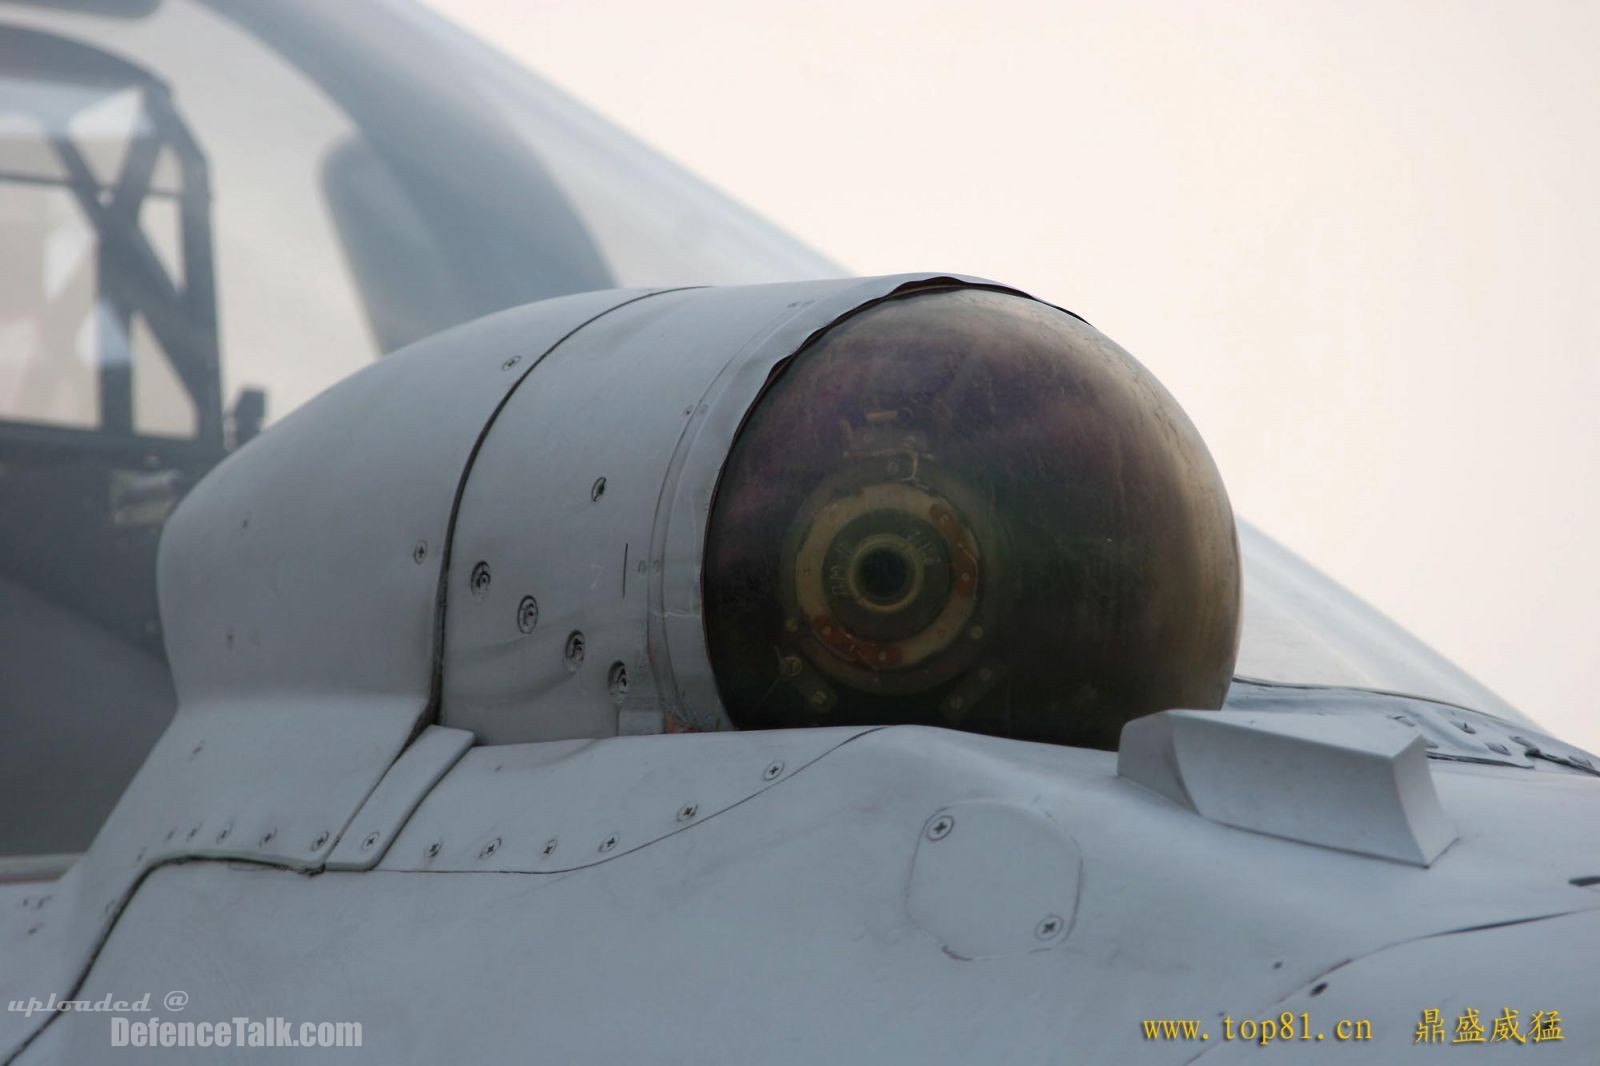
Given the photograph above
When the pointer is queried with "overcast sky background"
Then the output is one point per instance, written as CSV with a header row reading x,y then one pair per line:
x,y
1357,240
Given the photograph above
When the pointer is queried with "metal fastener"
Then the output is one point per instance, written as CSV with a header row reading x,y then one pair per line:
x,y
598,489
490,848
366,845
939,826
573,652
689,811
773,770
527,614
617,682
608,843
322,838
479,580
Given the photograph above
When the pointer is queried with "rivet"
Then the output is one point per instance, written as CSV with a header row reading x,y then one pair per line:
x,y
420,552
617,682
527,614
608,843
689,811
372,838
573,652
322,838
549,847
939,826
490,848
598,489
478,582
1048,927
773,770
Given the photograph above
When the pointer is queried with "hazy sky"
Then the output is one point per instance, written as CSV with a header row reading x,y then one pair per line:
x,y
1357,240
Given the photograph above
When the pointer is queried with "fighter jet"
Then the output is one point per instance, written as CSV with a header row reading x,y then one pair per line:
x,y
470,592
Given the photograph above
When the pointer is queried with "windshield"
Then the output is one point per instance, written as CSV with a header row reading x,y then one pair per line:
x,y
211,210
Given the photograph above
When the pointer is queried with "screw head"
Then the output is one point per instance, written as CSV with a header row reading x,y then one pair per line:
x,y
1048,927
420,552
268,837
617,682
367,844
223,835
433,850
509,363
772,771
478,582
939,826
598,489
322,838
608,843
490,848
689,811
549,848
527,614
573,652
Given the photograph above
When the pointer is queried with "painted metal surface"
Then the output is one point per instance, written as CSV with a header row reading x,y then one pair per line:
x,y
786,928
412,777
341,514
544,808
978,908
1357,783
301,589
